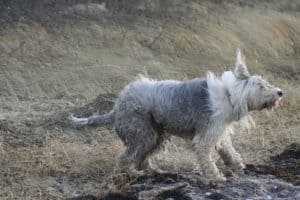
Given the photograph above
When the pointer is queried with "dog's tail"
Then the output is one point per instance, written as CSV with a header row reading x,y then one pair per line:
x,y
97,120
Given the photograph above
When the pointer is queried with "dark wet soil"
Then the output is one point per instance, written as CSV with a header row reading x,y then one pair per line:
x,y
285,165
110,196
278,180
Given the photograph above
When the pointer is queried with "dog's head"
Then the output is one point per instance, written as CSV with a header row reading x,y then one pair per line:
x,y
250,92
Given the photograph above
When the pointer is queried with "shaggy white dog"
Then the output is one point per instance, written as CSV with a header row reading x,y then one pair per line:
x,y
200,110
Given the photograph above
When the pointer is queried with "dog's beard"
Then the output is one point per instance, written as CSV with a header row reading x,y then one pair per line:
x,y
271,104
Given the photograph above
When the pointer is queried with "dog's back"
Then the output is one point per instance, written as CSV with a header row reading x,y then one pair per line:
x,y
176,106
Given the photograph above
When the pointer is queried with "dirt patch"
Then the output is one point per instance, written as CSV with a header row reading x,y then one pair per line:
x,y
102,104
111,196
187,187
259,182
285,165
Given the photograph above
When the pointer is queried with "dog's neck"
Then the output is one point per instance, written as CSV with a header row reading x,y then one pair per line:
x,y
233,90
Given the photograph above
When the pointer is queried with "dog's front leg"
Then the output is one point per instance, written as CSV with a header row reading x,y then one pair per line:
x,y
229,155
204,147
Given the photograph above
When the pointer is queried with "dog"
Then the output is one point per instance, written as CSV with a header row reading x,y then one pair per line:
x,y
201,110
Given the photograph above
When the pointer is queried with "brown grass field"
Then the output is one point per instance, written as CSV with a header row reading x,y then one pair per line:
x,y
79,63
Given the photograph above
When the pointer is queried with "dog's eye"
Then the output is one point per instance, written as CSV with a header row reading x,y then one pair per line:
x,y
262,87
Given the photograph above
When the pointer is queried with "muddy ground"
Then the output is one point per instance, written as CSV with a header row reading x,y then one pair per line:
x,y
277,180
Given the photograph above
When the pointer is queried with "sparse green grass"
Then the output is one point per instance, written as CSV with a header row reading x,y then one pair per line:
x,y
69,66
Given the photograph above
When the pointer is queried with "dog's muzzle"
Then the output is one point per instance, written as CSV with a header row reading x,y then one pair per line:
x,y
271,104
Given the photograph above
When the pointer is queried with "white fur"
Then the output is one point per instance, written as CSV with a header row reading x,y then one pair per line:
x,y
78,121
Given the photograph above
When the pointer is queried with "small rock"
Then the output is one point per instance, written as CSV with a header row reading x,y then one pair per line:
x,y
284,193
297,196
208,193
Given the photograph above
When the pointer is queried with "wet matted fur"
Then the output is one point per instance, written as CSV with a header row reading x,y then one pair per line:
x,y
201,110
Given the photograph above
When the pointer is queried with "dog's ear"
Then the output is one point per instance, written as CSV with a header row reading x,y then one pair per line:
x,y
241,71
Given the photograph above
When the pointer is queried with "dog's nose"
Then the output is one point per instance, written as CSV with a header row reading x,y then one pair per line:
x,y
280,93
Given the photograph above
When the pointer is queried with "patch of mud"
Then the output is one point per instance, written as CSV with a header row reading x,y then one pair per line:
x,y
111,196
189,187
279,180
285,165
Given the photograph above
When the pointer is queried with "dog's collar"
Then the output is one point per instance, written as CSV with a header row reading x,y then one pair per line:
x,y
229,97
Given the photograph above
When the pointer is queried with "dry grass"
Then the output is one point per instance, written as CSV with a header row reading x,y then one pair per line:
x,y
65,65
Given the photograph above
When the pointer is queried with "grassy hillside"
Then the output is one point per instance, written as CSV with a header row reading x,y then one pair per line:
x,y
54,62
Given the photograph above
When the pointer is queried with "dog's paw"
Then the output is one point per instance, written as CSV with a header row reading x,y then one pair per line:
x,y
211,174
218,178
207,180
156,170
236,169
133,172
239,166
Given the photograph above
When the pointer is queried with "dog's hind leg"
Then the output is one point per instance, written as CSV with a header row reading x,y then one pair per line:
x,y
147,163
141,139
